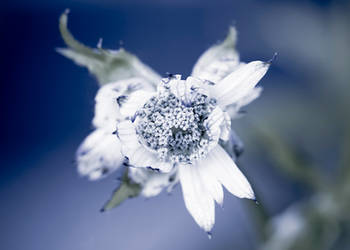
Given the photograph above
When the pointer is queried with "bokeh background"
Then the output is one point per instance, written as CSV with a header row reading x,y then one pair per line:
x,y
296,134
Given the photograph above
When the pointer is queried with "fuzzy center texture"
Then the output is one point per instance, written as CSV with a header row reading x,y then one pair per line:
x,y
174,130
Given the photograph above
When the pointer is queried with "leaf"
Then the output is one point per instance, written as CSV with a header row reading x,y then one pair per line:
x,y
219,60
106,65
343,184
126,190
291,161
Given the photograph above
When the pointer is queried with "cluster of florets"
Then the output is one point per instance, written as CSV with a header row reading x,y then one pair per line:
x,y
173,129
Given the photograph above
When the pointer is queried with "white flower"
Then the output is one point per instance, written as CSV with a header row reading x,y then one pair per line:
x,y
172,133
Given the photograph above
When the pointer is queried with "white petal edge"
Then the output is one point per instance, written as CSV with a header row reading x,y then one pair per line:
x,y
211,183
137,154
215,118
152,182
239,83
233,110
134,102
249,97
198,200
226,171
182,88
225,127
107,112
106,107
213,123
99,155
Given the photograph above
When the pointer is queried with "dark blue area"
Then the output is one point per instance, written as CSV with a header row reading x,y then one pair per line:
x,y
47,105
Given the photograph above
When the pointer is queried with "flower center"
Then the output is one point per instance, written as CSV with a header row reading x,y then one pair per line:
x,y
175,130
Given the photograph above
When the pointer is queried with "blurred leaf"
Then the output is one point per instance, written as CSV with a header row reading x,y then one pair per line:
x,y
106,65
343,186
345,154
261,218
288,159
126,190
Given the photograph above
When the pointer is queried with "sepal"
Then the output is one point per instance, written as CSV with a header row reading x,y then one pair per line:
x,y
106,65
219,60
127,189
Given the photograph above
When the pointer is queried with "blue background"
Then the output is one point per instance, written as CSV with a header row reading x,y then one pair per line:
x,y
47,105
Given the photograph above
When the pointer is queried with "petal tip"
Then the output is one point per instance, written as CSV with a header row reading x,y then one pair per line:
x,y
221,204
269,62
251,195
210,235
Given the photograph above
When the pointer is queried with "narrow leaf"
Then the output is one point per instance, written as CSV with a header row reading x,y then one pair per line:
x,y
288,159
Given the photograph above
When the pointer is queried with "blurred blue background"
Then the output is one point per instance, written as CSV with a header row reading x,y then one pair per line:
x,y
47,105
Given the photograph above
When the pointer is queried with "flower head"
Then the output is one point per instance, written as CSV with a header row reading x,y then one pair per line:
x,y
179,124
169,130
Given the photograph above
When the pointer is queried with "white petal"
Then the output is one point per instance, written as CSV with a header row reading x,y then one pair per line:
x,y
233,110
213,123
209,180
127,135
152,182
249,97
131,147
134,102
233,146
198,200
137,154
155,184
180,88
219,60
185,90
225,127
143,158
106,107
226,171
215,118
164,167
239,83
99,155
107,112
